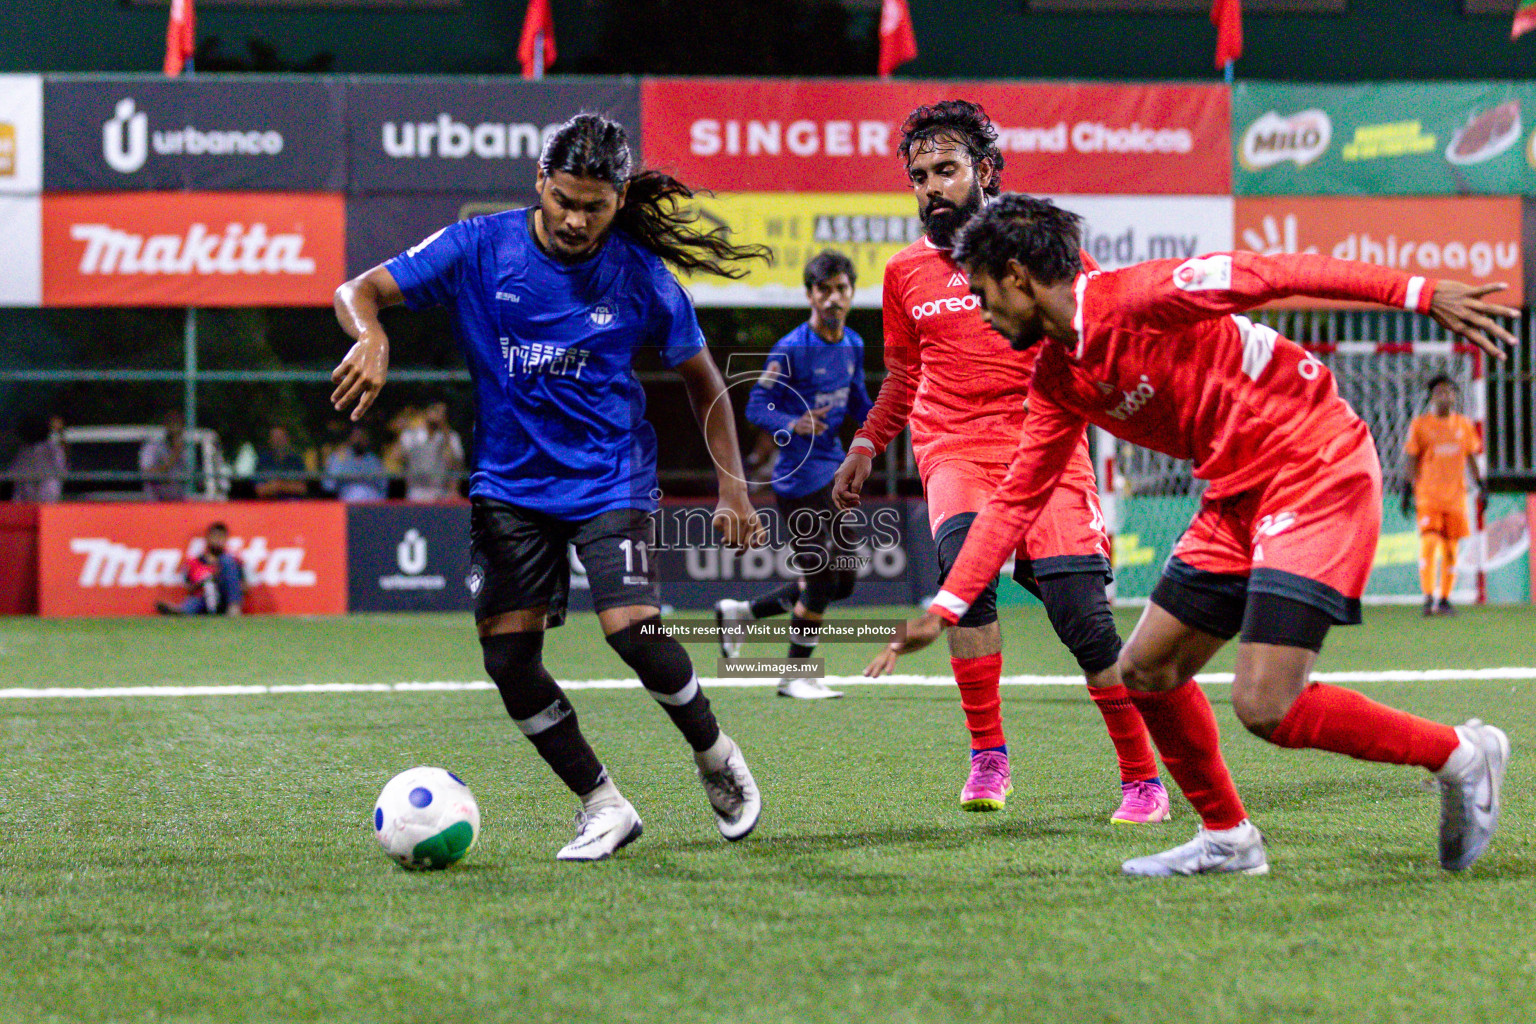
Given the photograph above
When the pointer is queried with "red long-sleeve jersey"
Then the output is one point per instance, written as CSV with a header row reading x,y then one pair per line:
x,y
948,374
1161,362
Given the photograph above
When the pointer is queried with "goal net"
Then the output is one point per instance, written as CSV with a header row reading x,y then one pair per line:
x,y
1382,362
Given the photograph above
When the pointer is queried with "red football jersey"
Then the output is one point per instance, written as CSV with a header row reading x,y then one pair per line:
x,y
948,374
1161,363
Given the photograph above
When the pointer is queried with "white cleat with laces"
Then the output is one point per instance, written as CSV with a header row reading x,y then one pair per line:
x,y
602,832
732,792
807,689
1237,851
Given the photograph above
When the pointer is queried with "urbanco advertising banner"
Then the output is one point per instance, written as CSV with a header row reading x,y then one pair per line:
x,y
408,558
208,132
192,249
872,227
385,225
469,135
1469,238
754,135
21,134
21,250
119,559
1420,138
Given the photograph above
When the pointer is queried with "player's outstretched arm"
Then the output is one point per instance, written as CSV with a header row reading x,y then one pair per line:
x,y
1461,308
735,518
919,633
361,374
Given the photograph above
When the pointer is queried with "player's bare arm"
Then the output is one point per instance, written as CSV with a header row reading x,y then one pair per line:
x,y
735,518
360,375
848,482
1461,308
919,633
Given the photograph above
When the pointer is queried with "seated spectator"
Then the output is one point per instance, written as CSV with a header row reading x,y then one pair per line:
x,y
280,469
433,457
163,461
354,472
42,462
214,577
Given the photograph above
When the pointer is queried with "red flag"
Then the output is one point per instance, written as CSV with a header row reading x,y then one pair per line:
x,y
180,37
1227,16
897,43
536,49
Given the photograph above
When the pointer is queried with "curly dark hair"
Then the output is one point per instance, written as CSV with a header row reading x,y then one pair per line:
x,y
1042,236
1441,378
958,121
655,211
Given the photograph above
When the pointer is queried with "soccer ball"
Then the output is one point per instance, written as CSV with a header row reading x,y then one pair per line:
x,y
426,818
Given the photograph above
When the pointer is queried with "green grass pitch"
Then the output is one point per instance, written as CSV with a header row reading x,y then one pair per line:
x,y
210,859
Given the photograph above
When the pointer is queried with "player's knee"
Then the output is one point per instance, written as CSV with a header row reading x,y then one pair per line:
x,y
655,657
1260,708
1080,614
824,588
1147,676
515,663
843,583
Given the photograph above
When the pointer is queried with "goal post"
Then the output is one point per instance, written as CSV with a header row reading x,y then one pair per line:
x,y
1382,362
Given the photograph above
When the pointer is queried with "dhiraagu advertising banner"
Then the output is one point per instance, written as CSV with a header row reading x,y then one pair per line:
x,y
871,227
1419,138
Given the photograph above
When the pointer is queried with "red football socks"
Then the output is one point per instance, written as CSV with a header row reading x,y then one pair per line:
x,y
1183,726
1345,722
1133,748
979,698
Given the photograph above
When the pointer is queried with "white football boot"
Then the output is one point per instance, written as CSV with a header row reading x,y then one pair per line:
x,y
1469,804
732,792
807,689
600,833
726,613
1237,850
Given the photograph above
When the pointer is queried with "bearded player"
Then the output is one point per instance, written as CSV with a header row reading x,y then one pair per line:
x,y
1286,532
956,382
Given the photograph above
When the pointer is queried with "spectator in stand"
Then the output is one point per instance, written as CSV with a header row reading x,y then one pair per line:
x,y
354,472
433,456
42,462
163,461
215,579
338,434
280,469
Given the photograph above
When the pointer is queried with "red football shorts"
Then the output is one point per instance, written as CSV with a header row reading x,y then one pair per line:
x,y
1314,524
1071,525
1448,523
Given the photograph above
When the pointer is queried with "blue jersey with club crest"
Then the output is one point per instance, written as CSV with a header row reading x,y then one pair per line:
x,y
560,422
805,371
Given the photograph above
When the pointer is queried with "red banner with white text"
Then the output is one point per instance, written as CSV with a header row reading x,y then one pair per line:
x,y
824,136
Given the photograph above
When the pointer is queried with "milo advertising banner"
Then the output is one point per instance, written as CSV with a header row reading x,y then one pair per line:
x,y
1150,526
1416,138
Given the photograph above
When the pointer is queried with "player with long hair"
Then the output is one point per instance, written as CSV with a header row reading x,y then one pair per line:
x,y
1285,536
551,304
955,381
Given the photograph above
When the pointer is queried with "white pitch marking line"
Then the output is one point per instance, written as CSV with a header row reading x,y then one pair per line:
x,y
743,682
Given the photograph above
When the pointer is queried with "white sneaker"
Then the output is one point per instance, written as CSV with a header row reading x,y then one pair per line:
x,y
733,793
1469,807
727,612
601,832
1237,850
807,689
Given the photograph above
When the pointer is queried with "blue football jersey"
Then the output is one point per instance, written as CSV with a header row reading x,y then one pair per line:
x,y
805,371
560,423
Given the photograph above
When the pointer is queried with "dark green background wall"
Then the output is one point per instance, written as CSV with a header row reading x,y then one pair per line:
x,y
1375,39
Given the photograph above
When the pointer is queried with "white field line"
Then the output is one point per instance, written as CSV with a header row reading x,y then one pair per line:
x,y
81,692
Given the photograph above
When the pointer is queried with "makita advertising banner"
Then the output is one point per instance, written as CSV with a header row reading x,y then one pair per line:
x,y
824,136
871,227
1469,238
192,249
1419,138
21,134
408,558
469,135
119,559
213,132
381,226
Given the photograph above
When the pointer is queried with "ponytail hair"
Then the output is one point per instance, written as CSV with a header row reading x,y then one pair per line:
x,y
591,146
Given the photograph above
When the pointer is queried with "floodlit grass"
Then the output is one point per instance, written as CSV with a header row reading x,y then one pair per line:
x,y
210,858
